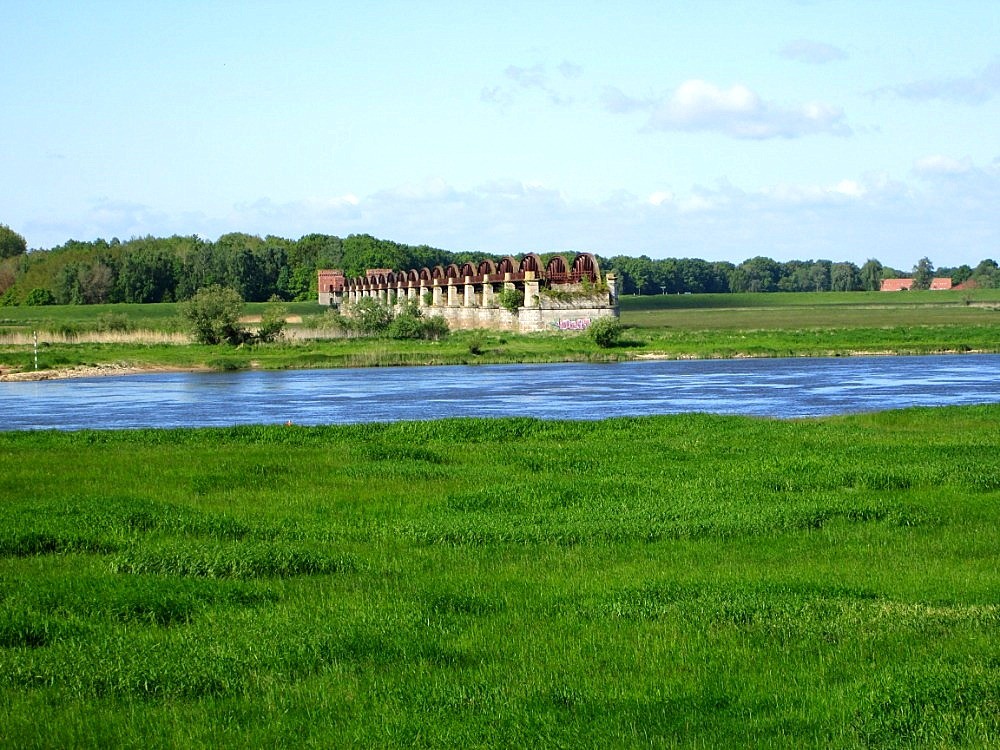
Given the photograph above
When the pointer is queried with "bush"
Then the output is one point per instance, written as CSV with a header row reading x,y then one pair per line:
x,y
511,299
272,322
435,328
371,316
476,343
406,325
117,322
39,297
213,314
606,332
410,324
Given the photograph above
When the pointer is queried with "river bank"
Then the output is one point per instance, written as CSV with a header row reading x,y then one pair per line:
x,y
80,361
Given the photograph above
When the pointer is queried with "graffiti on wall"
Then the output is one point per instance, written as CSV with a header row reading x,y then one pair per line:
x,y
574,324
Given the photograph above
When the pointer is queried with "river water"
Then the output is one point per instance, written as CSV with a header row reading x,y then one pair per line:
x,y
783,388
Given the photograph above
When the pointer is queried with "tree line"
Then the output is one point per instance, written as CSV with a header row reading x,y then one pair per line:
x,y
173,269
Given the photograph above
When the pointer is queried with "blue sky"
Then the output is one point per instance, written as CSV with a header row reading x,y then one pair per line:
x,y
721,130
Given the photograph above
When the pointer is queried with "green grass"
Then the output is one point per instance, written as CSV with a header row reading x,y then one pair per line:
x,y
689,581
706,326
812,310
155,317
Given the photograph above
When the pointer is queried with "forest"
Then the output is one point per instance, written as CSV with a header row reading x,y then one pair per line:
x,y
171,269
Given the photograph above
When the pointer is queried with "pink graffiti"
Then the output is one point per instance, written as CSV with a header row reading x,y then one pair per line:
x,y
580,324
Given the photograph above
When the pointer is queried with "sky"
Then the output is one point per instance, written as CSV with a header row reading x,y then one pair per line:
x,y
794,129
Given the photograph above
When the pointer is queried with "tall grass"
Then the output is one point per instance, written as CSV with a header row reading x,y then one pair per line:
x,y
690,580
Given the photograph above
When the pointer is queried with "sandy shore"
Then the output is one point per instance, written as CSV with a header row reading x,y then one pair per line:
x,y
84,371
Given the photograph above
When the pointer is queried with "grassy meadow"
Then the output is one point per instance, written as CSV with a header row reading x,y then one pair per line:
x,y
679,581
703,326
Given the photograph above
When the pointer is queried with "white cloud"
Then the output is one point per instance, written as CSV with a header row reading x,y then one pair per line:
x,y
536,78
941,165
972,89
737,111
815,53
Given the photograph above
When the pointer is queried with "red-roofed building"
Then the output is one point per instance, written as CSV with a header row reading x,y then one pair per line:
x,y
902,285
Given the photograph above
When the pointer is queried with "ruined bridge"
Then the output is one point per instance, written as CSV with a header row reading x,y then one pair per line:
x,y
559,295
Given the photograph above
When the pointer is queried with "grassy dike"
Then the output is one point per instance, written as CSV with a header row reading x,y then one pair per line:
x,y
690,581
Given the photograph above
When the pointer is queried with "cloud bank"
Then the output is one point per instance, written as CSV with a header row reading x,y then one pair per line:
x,y
738,112
972,89
948,215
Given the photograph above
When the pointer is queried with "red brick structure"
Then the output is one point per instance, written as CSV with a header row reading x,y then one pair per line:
x,y
330,285
903,285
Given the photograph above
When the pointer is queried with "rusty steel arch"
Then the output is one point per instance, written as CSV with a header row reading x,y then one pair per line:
x,y
467,269
413,275
532,262
437,272
452,271
486,268
556,270
508,265
585,267
425,274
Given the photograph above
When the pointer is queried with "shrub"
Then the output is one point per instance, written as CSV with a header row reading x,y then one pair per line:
x,y
38,297
511,299
406,325
476,343
435,328
213,314
371,316
606,332
117,322
272,322
410,324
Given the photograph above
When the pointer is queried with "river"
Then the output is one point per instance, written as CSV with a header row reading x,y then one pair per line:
x,y
786,388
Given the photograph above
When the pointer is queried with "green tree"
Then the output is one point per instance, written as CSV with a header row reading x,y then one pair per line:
x,y
845,277
759,274
872,273
11,243
961,274
213,315
923,274
987,273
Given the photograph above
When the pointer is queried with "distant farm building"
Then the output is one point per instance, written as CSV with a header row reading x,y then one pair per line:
x,y
904,285
514,295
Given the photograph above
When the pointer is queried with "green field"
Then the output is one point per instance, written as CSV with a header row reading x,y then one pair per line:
x,y
705,326
689,581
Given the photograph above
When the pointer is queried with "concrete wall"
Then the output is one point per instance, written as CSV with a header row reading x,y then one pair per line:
x,y
543,317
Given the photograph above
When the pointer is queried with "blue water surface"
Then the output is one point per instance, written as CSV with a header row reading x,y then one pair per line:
x,y
786,388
